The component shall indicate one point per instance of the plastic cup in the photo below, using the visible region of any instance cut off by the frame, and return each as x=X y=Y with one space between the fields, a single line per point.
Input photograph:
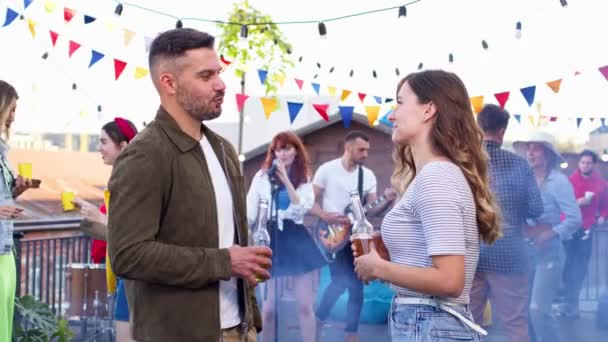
x=66 y=200
x=25 y=170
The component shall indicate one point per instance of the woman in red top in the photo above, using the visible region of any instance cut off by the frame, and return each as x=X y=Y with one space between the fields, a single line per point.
x=114 y=137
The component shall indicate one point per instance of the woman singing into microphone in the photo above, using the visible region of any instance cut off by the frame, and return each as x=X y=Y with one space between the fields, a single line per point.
x=284 y=181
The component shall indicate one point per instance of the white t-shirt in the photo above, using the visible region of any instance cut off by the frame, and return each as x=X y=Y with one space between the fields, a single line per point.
x=337 y=183
x=229 y=305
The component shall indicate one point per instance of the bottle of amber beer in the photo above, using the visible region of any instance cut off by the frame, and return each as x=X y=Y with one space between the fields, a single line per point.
x=260 y=235
x=362 y=230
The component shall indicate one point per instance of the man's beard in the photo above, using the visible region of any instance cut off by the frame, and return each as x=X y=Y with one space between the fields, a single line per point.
x=195 y=107
x=587 y=174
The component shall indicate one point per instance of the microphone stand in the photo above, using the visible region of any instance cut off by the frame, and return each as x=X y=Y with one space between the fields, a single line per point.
x=274 y=191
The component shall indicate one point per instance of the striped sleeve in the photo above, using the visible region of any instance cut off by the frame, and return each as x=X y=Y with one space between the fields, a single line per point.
x=437 y=202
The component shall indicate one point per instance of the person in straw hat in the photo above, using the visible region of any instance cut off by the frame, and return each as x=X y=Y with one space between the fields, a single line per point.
x=549 y=230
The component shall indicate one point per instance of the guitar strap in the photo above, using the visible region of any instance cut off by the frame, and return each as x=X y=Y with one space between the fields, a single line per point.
x=360 y=185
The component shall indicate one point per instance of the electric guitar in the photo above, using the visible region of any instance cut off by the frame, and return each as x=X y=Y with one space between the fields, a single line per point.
x=330 y=239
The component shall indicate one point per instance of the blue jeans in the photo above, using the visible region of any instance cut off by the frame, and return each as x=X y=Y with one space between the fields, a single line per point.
x=425 y=323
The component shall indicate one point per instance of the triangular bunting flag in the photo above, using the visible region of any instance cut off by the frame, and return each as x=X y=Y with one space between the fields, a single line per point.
x=240 y=101
x=477 y=103
x=345 y=94
x=502 y=98
x=299 y=83
x=603 y=121
x=294 y=109
x=224 y=60
x=49 y=6
x=31 y=25
x=387 y=100
x=322 y=110
x=54 y=36
x=281 y=79
x=119 y=67
x=528 y=93
x=68 y=14
x=346 y=112
x=331 y=90
x=140 y=73
x=73 y=47
x=591 y=119
x=362 y=97
x=578 y=122
x=554 y=85
x=11 y=15
x=531 y=118
x=27 y=3
x=385 y=119
x=553 y=119
x=372 y=114
x=95 y=57
x=604 y=71
x=262 y=74
x=148 y=41
x=316 y=87
x=378 y=99
x=517 y=117
x=269 y=104
x=128 y=36
x=88 y=19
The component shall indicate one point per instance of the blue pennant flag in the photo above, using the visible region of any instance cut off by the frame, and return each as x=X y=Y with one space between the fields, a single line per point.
x=263 y=74
x=603 y=120
x=387 y=100
x=517 y=117
x=294 y=110
x=316 y=87
x=95 y=57
x=346 y=112
x=385 y=119
x=11 y=15
x=378 y=99
x=88 y=19
x=528 y=94
x=27 y=3
x=578 y=122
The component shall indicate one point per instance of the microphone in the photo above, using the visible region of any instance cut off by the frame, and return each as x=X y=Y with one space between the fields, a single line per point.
x=272 y=171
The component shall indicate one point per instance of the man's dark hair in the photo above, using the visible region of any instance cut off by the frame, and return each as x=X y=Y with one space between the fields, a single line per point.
x=589 y=153
x=174 y=43
x=354 y=135
x=492 y=119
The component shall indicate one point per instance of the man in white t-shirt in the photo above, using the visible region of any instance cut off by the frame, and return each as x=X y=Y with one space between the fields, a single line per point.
x=332 y=184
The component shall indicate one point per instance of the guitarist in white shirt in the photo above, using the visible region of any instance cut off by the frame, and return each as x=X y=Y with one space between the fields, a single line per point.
x=332 y=183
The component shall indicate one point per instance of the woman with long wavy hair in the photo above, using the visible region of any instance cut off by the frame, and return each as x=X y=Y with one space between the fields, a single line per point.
x=285 y=181
x=433 y=232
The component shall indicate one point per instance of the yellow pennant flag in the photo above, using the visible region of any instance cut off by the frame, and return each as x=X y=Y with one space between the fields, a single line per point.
x=128 y=35
x=269 y=104
x=281 y=79
x=140 y=72
x=345 y=94
x=32 y=26
x=49 y=6
x=531 y=117
x=477 y=103
x=332 y=90
x=372 y=114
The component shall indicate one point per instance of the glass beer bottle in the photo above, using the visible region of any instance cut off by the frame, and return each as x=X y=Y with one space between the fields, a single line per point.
x=260 y=235
x=362 y=229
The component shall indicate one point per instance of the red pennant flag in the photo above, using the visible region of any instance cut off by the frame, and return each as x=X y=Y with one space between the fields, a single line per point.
x=240 y=101
x=54 y=36
x=591 y=119
x=68 y=14
x=502 y=98
x=553 y=118
x=554 y=85
x=73 y=47
x=119 y=67
x=322 y=110
x=362 y=96
x=300 y=83
x=604 y=71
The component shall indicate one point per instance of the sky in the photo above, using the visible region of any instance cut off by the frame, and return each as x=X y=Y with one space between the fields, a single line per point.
x=556 y=42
